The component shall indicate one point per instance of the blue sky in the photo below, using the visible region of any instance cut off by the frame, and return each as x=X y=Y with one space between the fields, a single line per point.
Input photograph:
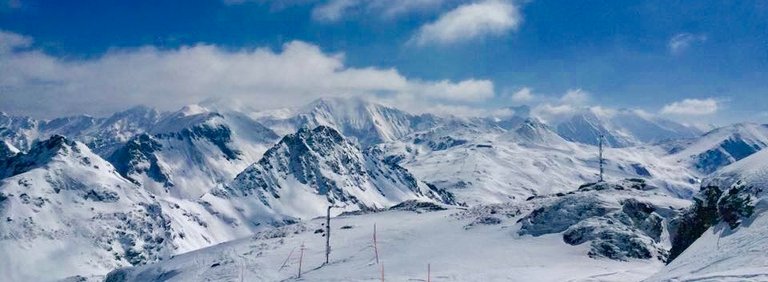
x=688 y=60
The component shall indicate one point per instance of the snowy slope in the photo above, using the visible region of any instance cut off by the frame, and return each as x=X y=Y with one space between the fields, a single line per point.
x=365 y=122
x=533 y=131
x=314 y=168
x=65 y=210
x=18 y=131
x=483 y=243
x=197 y=177
x=7 y=150
x=493 y=165
x=734 y=246
x=191 y=151
x=454 y=254
x=721 y=147
x=71 y=213
x=586 y=128
x=622 y=128
x=102 y=135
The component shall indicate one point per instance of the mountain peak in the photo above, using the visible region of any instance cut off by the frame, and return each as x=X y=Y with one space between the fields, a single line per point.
x=352 y=100
x=723 y=146
x=319 y=167
x=41 y=153
x=363 y=121
x=322 y=130
x=187 y=117
x=138 y=111
x=535 y=131
x=621 y=128
x=193 y=109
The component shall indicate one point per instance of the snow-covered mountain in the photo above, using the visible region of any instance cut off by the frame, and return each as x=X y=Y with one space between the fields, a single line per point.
x=365 y=122
x=721 y=147
x=61 y=197
x=488 y=164
x=533 y=131
x=19 y=132
x=191 y=151
x=722 y=237
x=602 y=232
x=102 y=135
x=313 y=168
x=622 y=128
x=65 y=211
x=197 y=177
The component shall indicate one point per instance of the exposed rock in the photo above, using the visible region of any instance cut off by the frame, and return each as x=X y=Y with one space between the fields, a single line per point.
x=417 y=206
x=610 y=216
x=711 y=206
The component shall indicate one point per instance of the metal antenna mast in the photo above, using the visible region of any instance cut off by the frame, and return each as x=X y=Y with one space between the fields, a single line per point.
x=600 y=146
x=328 y=235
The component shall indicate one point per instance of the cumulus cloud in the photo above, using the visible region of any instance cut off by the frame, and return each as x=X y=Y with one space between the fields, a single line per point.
x=692 y=107
x=575 y=97
x=523 y=95
x=35 y=83
x=457 y=110
x=602 y=111
x=682 y=41
x=10 y=41
x=465 y=91
x=335 y=10
x=553 y=113
x=469 y=22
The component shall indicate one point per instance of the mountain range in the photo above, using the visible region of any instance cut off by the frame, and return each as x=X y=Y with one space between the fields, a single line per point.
x=143 y=186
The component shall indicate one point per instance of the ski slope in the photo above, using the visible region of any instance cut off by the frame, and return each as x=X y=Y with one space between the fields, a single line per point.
x=406 y=241
x=723 y=253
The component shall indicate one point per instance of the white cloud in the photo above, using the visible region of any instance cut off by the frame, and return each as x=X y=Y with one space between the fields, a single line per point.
x=603 y=111
x=446 y=109
x=335 y=10
x=523 y=95
x=35 y=83
x=465 y=91
x=682 y=41
x=471 y=21
x=692 y=107
x=643 y=113
x=10 y=41
x=553 y=113
x=575 y=97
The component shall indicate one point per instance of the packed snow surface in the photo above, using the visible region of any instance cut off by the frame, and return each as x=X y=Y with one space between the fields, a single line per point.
x=407 y=243
x=724 y=253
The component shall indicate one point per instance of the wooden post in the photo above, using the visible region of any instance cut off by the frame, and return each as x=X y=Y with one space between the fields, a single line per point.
x=328 y=235
x=375 y=247
x=301 y=257
x=382 y=272
x=429 y=273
